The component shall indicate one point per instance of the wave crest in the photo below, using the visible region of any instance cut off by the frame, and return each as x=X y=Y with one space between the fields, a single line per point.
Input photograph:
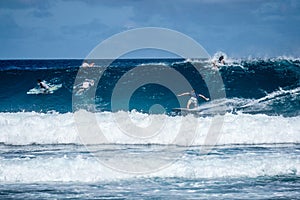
x=38 y=128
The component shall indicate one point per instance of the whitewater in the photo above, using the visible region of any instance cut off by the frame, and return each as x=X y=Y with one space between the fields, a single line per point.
x=41 y=128
x=244 y=145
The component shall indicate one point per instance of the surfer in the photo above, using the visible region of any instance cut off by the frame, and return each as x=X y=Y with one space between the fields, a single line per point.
x=84 y=86
x=43 y=85
x=221 y=61
x=86 y=64
x=193 y=98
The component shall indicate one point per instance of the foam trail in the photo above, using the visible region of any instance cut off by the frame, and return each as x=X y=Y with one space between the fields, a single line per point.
x=273 y=95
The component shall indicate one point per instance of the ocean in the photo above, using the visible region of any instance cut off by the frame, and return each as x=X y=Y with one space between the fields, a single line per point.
x=120 y=137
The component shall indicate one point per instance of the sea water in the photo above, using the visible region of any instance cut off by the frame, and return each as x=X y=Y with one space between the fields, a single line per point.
x=148 y=151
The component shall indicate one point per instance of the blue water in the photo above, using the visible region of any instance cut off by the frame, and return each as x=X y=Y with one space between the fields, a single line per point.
x=255 y=156
x=243 y=80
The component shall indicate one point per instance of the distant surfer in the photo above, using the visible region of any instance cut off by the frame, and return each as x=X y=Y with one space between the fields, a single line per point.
x=221 y=61
x=44 y=88
x=193 y=98
x=43 y=85
x=86 y=64
x=85 y=86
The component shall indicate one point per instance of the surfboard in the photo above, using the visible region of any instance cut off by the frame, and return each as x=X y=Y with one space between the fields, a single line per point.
x=186 y=109
x=51 y=90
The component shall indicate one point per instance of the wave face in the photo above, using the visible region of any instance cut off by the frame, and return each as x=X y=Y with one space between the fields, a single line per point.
x=253 y=86
x=244 y=145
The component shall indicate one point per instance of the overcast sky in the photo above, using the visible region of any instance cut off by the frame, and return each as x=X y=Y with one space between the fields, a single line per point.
x=72 y=28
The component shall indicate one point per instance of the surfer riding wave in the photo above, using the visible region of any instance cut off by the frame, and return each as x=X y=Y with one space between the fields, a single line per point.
x=193 y=98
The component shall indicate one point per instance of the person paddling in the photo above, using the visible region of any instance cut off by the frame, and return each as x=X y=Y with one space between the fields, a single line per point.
x=43 y=85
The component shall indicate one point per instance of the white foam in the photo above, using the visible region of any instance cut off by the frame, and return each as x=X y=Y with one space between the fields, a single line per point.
x=55 y=169
x=31 y=127
x=259 y=129
x=154 y=64
x=137 y=128
x=234 y=166
x=88 y=169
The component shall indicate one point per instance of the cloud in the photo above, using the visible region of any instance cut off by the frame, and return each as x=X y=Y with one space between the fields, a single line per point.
x=41 y=14
x=217 y=24
x=33 y=8
x=277 y=10
x=84 y=30
x=11 y=30
x=26 y=4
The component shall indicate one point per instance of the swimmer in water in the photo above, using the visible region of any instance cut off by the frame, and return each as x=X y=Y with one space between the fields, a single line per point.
x=85 y=86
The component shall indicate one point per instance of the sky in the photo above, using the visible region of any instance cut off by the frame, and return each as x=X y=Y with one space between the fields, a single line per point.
x=72 y=28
